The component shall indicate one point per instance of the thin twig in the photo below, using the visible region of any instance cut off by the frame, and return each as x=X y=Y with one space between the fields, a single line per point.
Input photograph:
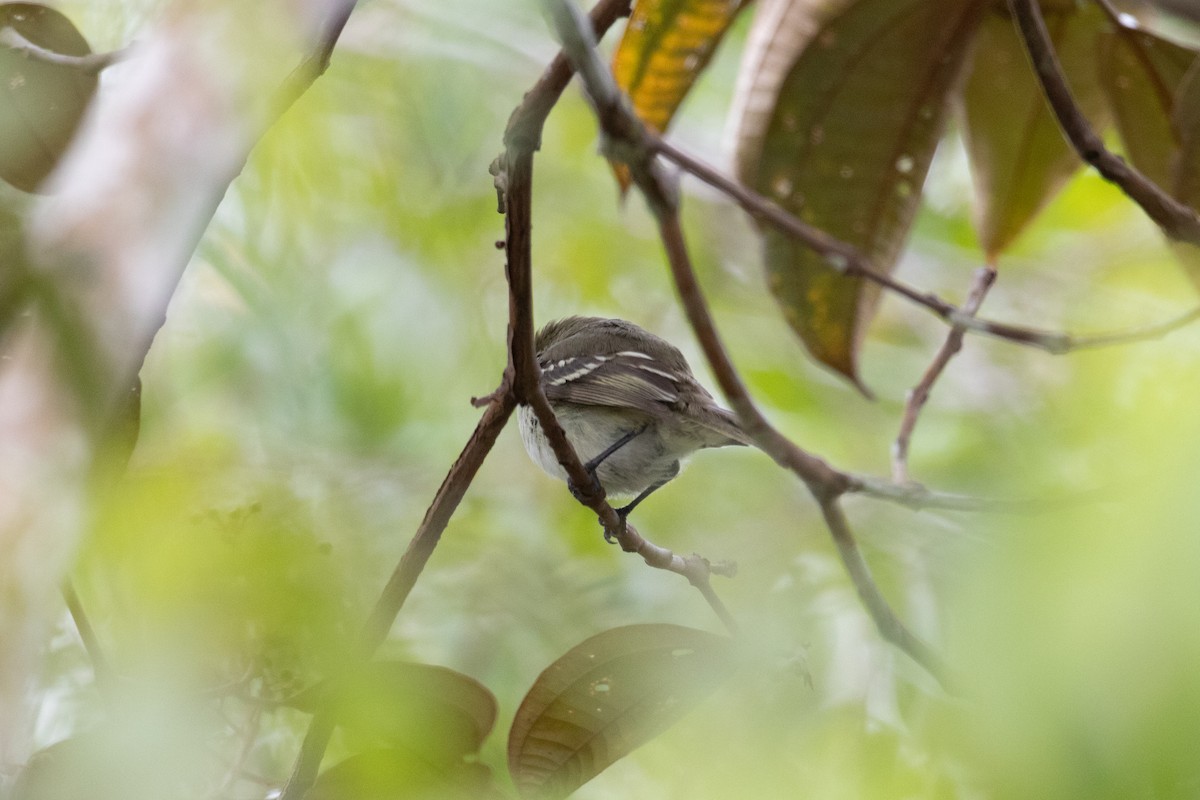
x=101 y=667
x=889 y=625
x=91 y=64
x=1177 y=220
x=846 y=259
x=919 y=394
x=404 y=577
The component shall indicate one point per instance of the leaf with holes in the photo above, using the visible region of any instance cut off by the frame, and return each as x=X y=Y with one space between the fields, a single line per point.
x=436 y=712
x=41 y=104
x=1018 y=155
x=608 y=696
x=665 y=47
x=840 y=105
x=1140 y=75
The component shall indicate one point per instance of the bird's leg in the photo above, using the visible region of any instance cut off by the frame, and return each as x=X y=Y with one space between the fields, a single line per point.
x=594 y=463
x=623 y=511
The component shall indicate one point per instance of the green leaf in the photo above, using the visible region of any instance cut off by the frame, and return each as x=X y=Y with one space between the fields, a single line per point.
x=397 y=774
x=41 y=104
x=606 y=697
x=436 y=712
x=1019 y=157
x=841 y=107
x=1140 y=75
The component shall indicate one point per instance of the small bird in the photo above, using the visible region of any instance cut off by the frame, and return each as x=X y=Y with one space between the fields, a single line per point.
x=628 y=402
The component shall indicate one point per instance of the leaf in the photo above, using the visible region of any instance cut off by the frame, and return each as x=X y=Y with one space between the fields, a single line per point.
x=41 y=104
x=1140 y=75
x=1175 y=20
x=606 y=697
x=436 y=712
x=840 y=107
x=107 y=764
x=1018 y=155
x=396 y=774
x=665 y=46
x=1185 y=182
x=1185 y=179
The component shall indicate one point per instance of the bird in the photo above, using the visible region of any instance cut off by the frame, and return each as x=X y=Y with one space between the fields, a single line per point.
x=629 y=405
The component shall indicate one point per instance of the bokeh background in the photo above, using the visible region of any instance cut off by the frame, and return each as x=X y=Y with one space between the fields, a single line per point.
x=311 y=387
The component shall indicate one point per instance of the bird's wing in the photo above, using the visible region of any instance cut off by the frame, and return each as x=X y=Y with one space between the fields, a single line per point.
x=623 y=379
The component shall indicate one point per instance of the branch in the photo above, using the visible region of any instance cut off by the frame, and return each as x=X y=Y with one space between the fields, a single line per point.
x=919 y=395
x=404 y=577
x=627 y=138
x=1177 y=220
x=91 y=64
x=889 y=625
x=513 y=172
x=134 y=194
x=846 y=259
x=101 y=668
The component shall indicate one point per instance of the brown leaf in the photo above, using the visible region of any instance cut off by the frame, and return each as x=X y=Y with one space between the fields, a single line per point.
x=1140 y=75
x=1019 y=157
x=664 y=48
x=41 y=104
x=608 y=696
x=841 y=105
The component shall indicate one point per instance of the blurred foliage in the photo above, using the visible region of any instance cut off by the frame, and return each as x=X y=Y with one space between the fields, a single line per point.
x=41 y=104
x=310 y=388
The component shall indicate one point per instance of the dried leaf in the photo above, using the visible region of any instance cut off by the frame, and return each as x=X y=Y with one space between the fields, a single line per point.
x=1019 y=157
x=840 y=108
x=41 y=104
x=664 y=48
x=1140 y=75
x=608 y=696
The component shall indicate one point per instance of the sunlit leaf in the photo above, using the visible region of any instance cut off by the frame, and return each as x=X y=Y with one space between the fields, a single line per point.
x=437 y=712
x=841 y=105
x=40 y=103
x=1140 y=75
x=608 y=696
x=1019 y=157
x=666 y=45
x=395 y=774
